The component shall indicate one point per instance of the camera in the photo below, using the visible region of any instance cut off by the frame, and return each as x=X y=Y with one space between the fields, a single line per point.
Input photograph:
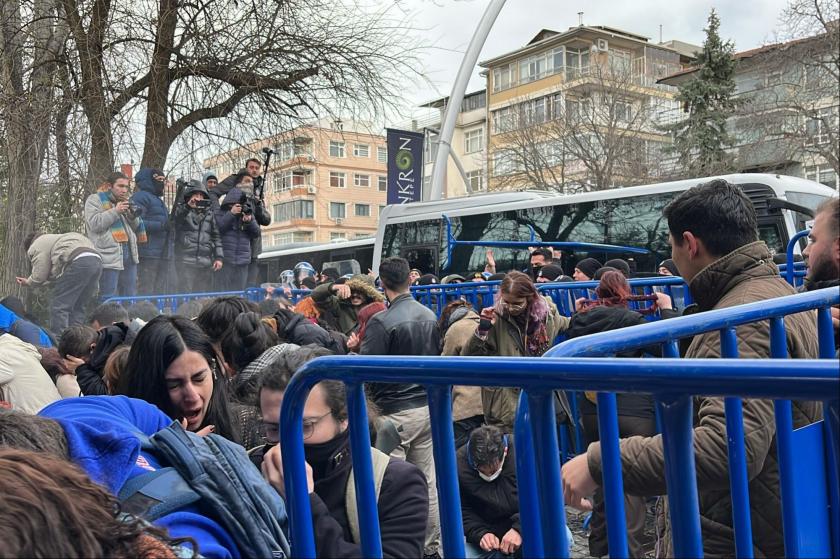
x=134 y=210
x=247 y=205
x=202 y=204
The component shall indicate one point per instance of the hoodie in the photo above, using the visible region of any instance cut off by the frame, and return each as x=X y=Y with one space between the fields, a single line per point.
x=153 y=211
x=236 y=234
x=197 y=240
x=101 y=437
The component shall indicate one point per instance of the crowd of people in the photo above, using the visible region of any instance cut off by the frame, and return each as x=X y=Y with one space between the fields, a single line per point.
x=96 y=423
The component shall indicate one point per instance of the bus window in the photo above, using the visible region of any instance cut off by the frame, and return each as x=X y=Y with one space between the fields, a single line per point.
x=344 y=267
x=770 y=233
x=423 y=258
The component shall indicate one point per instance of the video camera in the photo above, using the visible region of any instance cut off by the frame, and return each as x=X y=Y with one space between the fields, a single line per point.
x=247 y=204
x=203 y=204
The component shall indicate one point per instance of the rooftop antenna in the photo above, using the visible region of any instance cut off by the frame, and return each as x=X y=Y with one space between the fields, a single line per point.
x=660 y=33
x=580 y=19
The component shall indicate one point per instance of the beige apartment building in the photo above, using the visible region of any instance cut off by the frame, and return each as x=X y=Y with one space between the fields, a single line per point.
x=567 y=101
x=326 y=183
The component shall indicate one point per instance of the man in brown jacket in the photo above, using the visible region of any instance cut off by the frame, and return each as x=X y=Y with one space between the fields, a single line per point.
x=714 y=241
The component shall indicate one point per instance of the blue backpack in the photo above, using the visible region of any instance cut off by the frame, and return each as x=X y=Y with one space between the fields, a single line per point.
x=217 y=476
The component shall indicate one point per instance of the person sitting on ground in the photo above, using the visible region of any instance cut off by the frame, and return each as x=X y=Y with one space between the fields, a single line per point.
x=218 y=315
x=90 y=372
x=16 y=321
x=668 y=268
x=23 y=381
x=107 y=314
x=190 y=309
x=80 y=517
x=635 y=411
x=294 y=328
x=457 y=325
x=620 y=265
x=522 y=323
x=340 y=303
x=173 y=366
x=585 y=269
x=56 y=367
x=114 y=367
x=365 y=314
x=77 y=342
x=144 y=310
x=403 y=494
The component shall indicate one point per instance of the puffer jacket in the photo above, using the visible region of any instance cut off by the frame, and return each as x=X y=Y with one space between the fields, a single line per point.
x=51 y=253
x=295 y=328
x=746 y=275
x=198 y=242
x=505 y=339
x=466 y=400
x=340 y=314
x=155 y=215
x=406 y=328
x=98 y=224
x=236 y=234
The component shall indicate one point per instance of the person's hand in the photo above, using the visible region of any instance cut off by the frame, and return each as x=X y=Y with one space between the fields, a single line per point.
x=22 y=281
x=510 y=542
x=489 y=542
x=353 y=341
x=201 y=432
x=247 y=218
x=217 y=265
x=663 y=301
x=71 y=362
x=342 y=290
x=488 y=313
x=236 y=209
x=579 y=303
x=122 y=207
x=577 y=483
x=192 y=202
x=488 y=255
x=272 y=470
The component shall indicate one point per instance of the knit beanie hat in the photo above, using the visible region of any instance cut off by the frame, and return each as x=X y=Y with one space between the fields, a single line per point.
x=550 y=272
x=588 y=266
x=620 y=265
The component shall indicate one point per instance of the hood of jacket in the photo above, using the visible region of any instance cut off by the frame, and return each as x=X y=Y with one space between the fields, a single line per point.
x=369 y=291
x=233 y=196
x=145 y=181
x=194 y=186
x=206 y=176
x=748 y=262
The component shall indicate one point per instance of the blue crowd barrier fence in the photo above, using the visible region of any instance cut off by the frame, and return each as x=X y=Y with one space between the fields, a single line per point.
x=794 y=272
x=540 y=491
x=805 y=533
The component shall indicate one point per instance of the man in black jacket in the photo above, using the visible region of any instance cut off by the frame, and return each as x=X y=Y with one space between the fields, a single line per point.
x=198 y=244
x=406 y=328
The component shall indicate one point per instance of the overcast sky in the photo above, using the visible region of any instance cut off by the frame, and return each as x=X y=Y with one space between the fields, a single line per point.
x=448 y=25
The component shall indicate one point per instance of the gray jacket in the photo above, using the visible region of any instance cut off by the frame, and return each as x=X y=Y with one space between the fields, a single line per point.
x=98 y=224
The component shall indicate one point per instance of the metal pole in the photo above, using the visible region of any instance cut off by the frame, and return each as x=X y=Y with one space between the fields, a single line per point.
x=457 y=96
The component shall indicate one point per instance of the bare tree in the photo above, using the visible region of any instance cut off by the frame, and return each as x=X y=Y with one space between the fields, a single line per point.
x=597 y=135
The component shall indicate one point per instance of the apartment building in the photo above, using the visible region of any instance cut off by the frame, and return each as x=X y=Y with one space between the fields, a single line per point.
x=580 y=109
x=787 y=121
x=327 y=182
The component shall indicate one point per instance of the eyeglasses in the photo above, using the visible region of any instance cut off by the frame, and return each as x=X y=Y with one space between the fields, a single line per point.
x=517 y=306
x=271 y=431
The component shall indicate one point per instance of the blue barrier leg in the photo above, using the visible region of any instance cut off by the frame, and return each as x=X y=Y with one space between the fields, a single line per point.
x=363 y=471
x=680 y=475
x=831 y=413
x=612 y=481
x=446 y=470
x=544 y=430
x=825 y=333
x=526 y=477
x=738 y=482
x=578 y=432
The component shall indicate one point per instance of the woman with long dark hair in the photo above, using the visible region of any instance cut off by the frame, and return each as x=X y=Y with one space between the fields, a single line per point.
x=172 y=365
x=610 y=311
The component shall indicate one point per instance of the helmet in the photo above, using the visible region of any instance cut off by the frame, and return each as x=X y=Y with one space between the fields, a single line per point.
x=287 y=276
x=303 y=270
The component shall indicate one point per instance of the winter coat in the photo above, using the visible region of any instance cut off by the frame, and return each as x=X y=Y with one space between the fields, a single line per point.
x=505 y=339
x=488 y=506
x=746 y=275
x=23 y=381
x=197 y=239
x=263 y=218
x=236 y=234
x=297 y=329
x=340 y=314
x=22 y=329
x=466 y=400
x=50 y=254
x=98 y=223
x=155 y=215
x=406 y=328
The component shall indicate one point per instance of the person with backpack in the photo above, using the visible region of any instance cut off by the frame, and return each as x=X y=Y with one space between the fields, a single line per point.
x=203 y=488
x=402 y=493
x=172 y=365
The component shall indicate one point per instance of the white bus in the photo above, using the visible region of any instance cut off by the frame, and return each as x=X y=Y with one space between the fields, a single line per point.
x=629 y=217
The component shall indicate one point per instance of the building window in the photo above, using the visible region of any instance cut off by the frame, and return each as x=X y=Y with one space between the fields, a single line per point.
x=474 y=140
x=338 y=180
x=337 y=149
x=476 y=180
x=620 y=62
x=279 y=239
x=474 y=102
x=503 y=78
x=504 y=162
x=361 y=150
x=286 y=180
x=338 y=236
x=382 y=183
x=362 y=235
x=576 y=109
x=623 y=111
x=382 y=154
x=362 y=210
x=296 y=209
x=338 y=210
x=577 y=63
x=361 y=180
x=817 y=129
x=823 y=174
x=503 y=120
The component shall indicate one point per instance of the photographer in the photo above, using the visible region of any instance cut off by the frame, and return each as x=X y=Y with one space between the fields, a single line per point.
x=237 y=226
x=148 y=198
x=198 y=245
x=115 y=230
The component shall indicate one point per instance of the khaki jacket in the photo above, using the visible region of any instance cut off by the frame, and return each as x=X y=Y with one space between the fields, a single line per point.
x=50 y=254
x=466 y=400
x=744 y=276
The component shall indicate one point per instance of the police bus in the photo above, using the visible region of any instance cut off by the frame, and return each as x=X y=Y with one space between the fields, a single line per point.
x=423 y=232
x=349 y=257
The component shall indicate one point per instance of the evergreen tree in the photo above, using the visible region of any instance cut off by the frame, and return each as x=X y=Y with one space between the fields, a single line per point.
x=701 y=140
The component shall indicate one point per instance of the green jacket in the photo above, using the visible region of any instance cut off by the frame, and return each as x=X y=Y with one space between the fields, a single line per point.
x=505 y=339
x=337 y=313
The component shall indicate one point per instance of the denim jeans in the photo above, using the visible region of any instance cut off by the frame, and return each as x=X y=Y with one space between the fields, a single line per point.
x=72 y=291
x=121 y=283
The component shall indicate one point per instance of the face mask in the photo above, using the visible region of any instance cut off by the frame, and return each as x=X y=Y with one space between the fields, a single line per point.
x=495 y=474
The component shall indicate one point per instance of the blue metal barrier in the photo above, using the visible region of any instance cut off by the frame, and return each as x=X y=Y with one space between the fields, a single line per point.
x=725 y=320
x=790 y=268
x=543 y=521
x=169 y=303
